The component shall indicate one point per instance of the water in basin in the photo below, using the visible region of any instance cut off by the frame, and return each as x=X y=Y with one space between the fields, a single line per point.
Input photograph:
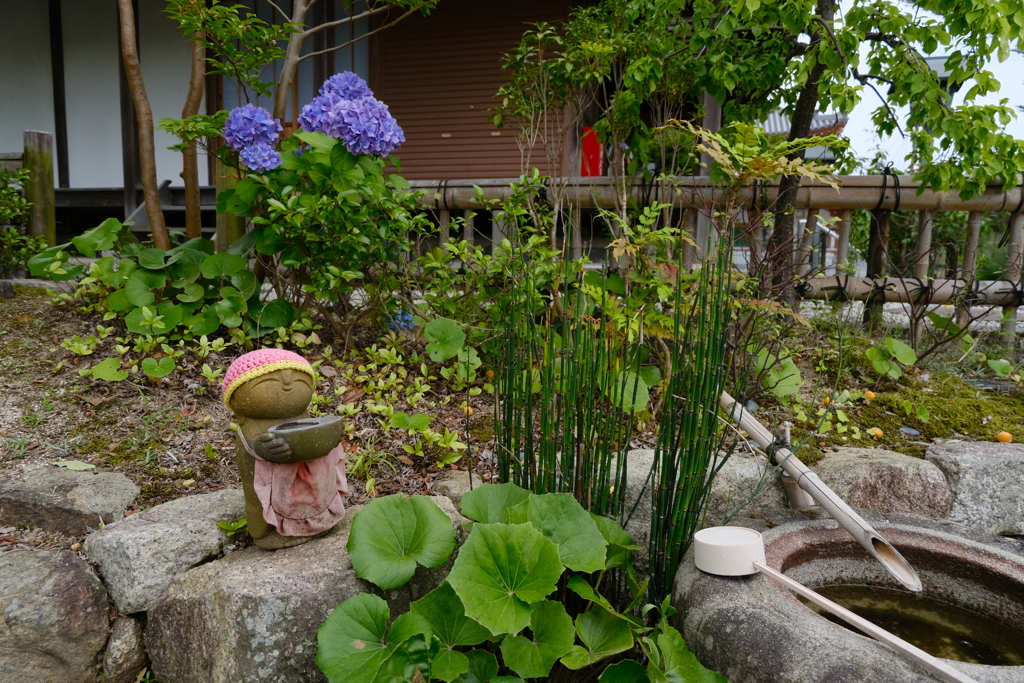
x=937 y=627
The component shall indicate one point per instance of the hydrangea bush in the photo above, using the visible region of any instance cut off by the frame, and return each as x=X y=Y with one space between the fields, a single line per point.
x=323 y=211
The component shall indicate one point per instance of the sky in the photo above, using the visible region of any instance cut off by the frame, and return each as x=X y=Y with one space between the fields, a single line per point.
x=863 y=139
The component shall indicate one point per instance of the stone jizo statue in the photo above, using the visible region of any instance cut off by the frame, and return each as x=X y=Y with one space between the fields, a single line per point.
x=292 y=466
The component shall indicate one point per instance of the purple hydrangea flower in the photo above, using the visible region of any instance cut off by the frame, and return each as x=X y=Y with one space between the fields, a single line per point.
x=320 y=114
x=347 y=86
x=260 y=157
x=250 y=125
x=367 y=127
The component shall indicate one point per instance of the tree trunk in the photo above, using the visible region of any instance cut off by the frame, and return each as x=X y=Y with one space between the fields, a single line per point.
x=780 y=246
x=878 y=255
x=147 y=153
x=190 y=161
x=291 y=61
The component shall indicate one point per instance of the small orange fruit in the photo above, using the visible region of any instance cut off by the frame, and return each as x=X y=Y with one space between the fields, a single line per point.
x=876 y=432
x=1004 y=437
x=467 y=410
x=489 y=374
x=869 y=395
x=827 y=400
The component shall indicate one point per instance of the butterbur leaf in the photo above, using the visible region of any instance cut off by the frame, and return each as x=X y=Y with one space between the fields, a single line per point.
x=579 y=586
x=452 y=628
x=900 y=351
x=490 y=503
x=222 y=265
x=483 y=667
x=97 y=239
x=629 y=392
x=109 y=370
x=626 y=671
x=564 y=522
x=619 y=542
x=507 y=679
x=191 y=292
x=277 y=313
x=552 y=637
x=603 y=633
x=446 y=339
x=501 y=570
x=351 y=642
x=676 y=663
x=394 y=533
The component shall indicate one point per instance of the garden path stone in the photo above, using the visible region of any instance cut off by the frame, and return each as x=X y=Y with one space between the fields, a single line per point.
x=987 y=480
x=886 y=481
x=253 y=616
x=454 y=484
x=141 y=554
x=125 y=656
x=63 y=501
x=54 y=617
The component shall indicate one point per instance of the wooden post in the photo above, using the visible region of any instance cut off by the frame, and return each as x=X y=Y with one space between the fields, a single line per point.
x=878 y=254
x=230 y=228
x=1014 y=271
x=469 y=227
x=843 y=241
x=924 y=244
x=803 y=263
x=970 y=260
x=38 y=159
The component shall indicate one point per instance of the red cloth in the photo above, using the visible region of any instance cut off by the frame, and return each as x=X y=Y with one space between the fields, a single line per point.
x=303 y=498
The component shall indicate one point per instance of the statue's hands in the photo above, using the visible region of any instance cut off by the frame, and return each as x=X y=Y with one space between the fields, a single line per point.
x=272 y=448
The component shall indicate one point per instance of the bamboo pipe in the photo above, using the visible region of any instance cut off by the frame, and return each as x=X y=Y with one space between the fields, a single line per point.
x=911 y=290
x=924 y=244
x=855 y=192
x=861 y=531
x=1014 y=268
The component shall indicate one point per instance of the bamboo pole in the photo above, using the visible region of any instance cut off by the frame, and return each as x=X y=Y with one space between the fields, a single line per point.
x=970 y=260
x=843 y=241
x=576 y=234
x=923 y=248
x=444 y=221
x=469 y=227
x=803 y=262
x=908 y=291
x=878 y=255
x=1014 y=269
x=38 y=159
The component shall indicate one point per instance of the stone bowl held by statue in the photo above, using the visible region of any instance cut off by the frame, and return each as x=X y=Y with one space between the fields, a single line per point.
x=312 y=437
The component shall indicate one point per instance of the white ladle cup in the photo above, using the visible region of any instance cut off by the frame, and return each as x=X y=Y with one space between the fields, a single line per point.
x=738 y=551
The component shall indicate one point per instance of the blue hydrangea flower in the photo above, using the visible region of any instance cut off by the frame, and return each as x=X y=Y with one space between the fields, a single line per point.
x=260 y=157
x=401 y=321
x=347 y=86
x=367 y=127
x=250 y=125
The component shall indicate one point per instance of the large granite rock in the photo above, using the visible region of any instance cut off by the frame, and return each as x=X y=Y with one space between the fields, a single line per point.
x=54 y=618
x=63 y=501
x=125 y=656
x=140 y=555
x=886 y=481
x=735 y=484
x=253 y=616
x=987 y=480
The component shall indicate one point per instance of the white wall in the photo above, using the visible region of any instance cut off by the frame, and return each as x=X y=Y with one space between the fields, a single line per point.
x=26 y=91
x=92 y=92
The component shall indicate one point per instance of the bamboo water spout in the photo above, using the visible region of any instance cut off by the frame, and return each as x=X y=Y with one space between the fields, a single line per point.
x=807 y=480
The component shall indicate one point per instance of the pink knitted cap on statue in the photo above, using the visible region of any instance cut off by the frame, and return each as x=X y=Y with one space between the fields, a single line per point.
x=261 y=362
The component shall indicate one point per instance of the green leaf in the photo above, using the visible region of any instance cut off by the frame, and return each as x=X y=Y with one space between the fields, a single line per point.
x=77 y=465
x=191 y=292
x=109 y=370
x=603 y=633
x=159 y=369
x=628 y=392
x=153 y=258
x=351 y=642
x=677 y=664
x=222 y=265
x=900 y=351
x=626 y=671
x=446 y=339
x=395 y=532
x=100 y=238
x=277 y=313
x=483 y=667
x=552 y=637
x=245 y=282
x=650 y=374
x=500 y=571
x=579 y=586
x=1001 y=367
x=564 y=522
x=139 y=286
x=447 y=616
x=490 y=503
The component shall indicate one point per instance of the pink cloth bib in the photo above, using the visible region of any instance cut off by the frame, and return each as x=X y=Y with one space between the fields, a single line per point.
x=302 y=498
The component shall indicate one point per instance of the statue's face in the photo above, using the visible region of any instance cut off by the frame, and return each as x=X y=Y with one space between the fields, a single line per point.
x=279 y=394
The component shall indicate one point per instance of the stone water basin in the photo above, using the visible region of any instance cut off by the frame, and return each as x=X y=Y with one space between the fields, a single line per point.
x=751 y=630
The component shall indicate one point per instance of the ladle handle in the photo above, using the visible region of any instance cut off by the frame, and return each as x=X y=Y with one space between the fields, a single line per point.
x=933 y=664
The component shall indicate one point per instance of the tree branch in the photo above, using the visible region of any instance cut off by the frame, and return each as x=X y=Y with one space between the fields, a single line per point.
x=835 y=41
x=863 y=78
x=347 y=20
x=275 y=6
x=365 y=35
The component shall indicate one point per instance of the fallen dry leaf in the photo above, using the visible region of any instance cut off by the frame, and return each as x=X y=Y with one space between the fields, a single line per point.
x=406 y=460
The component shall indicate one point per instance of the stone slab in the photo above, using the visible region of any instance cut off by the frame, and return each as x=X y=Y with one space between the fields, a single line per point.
x=140 y=555
x=987 y=480
x=64 y=501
